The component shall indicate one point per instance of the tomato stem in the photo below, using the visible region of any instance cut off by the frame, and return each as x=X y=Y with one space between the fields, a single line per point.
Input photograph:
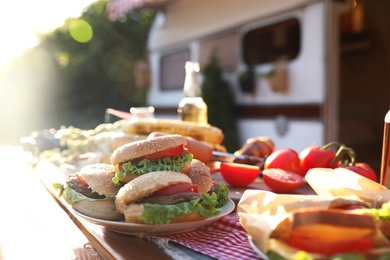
x=336 y=144
x=345 y=156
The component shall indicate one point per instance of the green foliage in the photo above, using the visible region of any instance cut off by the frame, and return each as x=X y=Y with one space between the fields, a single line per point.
x=100 y=73
x=219 y=98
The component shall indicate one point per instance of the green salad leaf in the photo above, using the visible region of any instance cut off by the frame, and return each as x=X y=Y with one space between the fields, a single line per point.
x=145 y=166
x=72 y=196
x=383 y=213
x=157 y=214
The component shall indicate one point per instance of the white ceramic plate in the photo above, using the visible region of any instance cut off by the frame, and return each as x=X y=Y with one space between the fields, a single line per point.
x=256 y=249
x=151 y=230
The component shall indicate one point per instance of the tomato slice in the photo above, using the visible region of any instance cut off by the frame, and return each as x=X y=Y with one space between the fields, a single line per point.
x=81 y=180
x=280 y=180
x=329 y=248
x=166 y=153
x=239 y=175
x=175 y=189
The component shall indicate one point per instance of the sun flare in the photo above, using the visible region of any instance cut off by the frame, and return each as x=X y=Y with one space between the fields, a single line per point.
x=20 y=21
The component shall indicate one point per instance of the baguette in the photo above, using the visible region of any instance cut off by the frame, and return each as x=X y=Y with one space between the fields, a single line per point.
x=145 y=126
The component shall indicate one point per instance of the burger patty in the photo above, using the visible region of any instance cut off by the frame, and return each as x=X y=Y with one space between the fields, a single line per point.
x=73 y=182
x=172 y=199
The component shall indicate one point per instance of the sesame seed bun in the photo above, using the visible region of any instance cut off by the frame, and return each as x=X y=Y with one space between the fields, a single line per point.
x=99 y=178
x=200 y=176
x=142 y=148
x=101 y=209
x=145 y=185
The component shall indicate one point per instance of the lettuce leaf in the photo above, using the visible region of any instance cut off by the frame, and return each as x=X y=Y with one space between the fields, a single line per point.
x=157 y=214
x=145 y=166
x=71 y=196
x=382 y=213
x=223 y=195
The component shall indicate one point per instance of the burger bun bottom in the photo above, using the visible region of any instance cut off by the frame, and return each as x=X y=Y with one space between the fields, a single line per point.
x=102 y=209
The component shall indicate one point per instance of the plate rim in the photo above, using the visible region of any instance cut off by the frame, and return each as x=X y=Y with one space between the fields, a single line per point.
x=124 y=227
x=256 y=249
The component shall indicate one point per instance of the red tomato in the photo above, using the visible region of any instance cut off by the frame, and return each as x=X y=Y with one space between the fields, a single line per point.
x=170 y=152
x=286 y=159
x=314 y=157
x=280 y=180
x=329 y=248
x=363 y=169
x=239 y=175
x=81 y=180
x=175 y=189
x=198 y=149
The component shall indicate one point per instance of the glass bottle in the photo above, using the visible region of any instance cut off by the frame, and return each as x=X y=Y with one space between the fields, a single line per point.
x=385 y=163
x=192 y=107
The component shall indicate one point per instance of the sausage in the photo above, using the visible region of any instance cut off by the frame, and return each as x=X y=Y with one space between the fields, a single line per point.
x=199 y=150
x=261 y=146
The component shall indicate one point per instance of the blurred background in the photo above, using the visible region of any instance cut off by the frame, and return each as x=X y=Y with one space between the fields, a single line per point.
x=302 y=72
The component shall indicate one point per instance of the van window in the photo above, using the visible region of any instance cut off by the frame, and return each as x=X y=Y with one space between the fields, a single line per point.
x=172 y=70
x=226 y=48
x=269 y=43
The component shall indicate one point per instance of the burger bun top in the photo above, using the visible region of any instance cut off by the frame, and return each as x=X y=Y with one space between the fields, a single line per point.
x=200 y=176
x=142 y=148
x=145 y=185
x=99 y=178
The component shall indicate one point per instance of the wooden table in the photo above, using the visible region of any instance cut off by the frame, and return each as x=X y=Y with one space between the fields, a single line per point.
x=34 y=224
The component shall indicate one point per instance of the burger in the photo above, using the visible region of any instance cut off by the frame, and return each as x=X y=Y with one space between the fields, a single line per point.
x=92 y=193
x=163 y=153
x=164 y=197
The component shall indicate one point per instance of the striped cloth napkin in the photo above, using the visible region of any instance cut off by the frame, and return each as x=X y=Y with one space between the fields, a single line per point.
x=223 y=239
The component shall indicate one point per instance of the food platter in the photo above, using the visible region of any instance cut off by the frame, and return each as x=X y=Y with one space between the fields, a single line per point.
x=153 y=230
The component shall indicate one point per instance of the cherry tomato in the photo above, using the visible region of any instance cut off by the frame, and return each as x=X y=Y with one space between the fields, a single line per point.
x=175 y=189
x=170 y=152
x=316 y=157
x=280 y=180
x=239 y=175
x=363 y=169
x=286 y=159
x=329 y=248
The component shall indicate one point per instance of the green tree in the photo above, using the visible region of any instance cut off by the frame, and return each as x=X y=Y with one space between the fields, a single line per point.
x=99 y=73
x=219 y=98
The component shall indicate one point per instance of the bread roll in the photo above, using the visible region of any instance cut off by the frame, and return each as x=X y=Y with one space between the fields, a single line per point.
x=142 y=148
x=200 y=176
x=145 y=185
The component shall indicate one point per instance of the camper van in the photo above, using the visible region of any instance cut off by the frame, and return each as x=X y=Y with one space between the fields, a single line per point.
x=318 y=70
x=287 y=39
